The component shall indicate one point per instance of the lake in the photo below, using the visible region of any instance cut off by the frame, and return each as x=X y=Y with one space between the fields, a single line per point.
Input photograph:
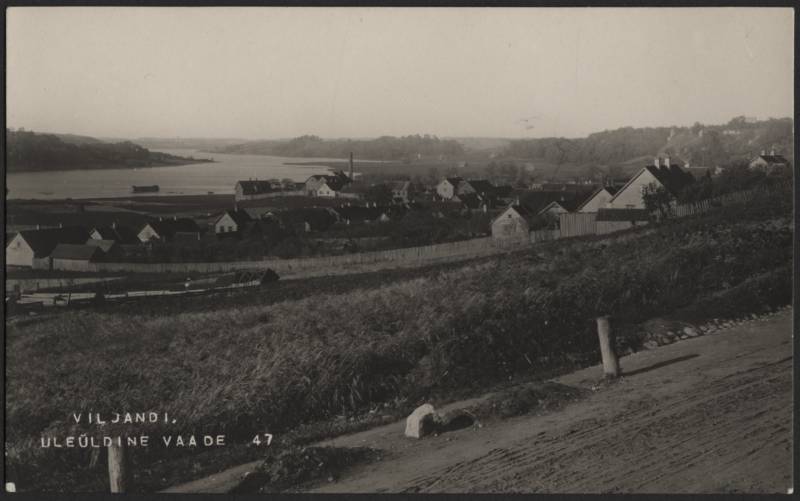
x=192 y=179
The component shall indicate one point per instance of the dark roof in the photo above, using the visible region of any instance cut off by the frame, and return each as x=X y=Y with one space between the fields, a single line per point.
x=318 y=218
x=674 y=178
x=76 y=252
x=454 y=180
x=569 y=204
x=774 y=159
x=571 y=187
x=503 y=191
x=356 y=213
x=535 y=201
x=44 y=241
x=255 y=187
x=168 y=227
x=239 y=216
x=401 y=185
x=103 y=245
x=120 y=234
x=623 y=215
x=526 y=213
x=482 y=186
x=335 y=182
x=185 y=236
x=470 y=200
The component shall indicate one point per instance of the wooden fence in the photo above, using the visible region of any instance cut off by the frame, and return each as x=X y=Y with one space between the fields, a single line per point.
x=475 y=247
x=571 y=225
x=576 y=224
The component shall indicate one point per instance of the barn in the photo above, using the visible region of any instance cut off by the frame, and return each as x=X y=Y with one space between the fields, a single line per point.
x=32 y=248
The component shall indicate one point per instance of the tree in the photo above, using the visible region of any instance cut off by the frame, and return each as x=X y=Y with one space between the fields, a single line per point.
x=657 y=199
x=379 y=193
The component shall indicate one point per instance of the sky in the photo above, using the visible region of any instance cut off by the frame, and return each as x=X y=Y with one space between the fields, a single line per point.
x=278 y=72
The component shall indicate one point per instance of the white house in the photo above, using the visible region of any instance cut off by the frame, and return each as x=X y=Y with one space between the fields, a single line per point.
x=322 y=185
x=324 y=190
x=32 y=248
x=598 y=199
x=448 y=187
x=512 y=224
x=401 y=191
x=670 y=177
x=231 y=221
x=165 y=229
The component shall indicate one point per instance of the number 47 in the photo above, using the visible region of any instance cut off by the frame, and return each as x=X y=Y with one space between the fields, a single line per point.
x=257 y=439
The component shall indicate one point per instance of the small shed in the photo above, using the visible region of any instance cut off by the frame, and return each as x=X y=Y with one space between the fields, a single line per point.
x=75 y=257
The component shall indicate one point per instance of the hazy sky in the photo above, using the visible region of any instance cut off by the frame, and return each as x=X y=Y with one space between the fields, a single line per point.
x=362 y=72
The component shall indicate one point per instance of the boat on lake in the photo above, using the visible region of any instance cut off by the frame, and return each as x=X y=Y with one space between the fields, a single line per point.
x=145 y=189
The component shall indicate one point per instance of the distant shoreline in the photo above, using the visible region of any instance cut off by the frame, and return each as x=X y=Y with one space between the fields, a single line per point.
x=152 y=165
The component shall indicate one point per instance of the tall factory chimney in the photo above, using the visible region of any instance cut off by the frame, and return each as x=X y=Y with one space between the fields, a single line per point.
x=351 y=166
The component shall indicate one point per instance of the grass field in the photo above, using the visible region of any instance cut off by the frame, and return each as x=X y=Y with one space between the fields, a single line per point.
x=313 y=355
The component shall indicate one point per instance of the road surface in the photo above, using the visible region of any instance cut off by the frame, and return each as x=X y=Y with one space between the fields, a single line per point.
x=706 y=414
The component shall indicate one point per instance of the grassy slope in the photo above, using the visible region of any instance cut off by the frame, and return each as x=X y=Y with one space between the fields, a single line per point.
x=259 y=367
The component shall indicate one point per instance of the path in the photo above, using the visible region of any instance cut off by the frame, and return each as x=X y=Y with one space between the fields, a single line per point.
x=707 y=414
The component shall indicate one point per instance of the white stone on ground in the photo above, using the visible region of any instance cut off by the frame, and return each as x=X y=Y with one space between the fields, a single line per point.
x=420 y=422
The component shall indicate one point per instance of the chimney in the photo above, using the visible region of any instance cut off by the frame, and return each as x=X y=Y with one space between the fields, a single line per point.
x=666 y=161
x=351 y=166
x=763 y=152
x=657 y=162
x=114 y=225
x=60 y=225
x=772 y=152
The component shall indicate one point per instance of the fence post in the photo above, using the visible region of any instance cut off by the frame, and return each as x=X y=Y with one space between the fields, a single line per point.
x=607 y=351
x=118 y=474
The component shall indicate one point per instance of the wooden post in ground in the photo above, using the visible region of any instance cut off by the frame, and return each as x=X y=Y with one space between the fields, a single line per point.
x=118 y=473
x=609 y=354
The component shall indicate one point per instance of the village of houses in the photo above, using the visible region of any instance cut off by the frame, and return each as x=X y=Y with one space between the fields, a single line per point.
x=329 y=204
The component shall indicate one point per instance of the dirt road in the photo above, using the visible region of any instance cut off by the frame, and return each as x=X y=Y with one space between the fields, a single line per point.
x=707 y=414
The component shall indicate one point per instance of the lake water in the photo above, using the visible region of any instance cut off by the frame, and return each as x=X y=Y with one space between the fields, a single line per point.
x=193 y=179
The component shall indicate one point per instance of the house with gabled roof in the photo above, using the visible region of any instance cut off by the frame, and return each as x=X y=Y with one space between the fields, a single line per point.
x=124 y=235
x=325 y=185
x=254 y=189
x=32 y=248
x=598 y=199
x=232 y=221
x=670 y=177
x=514 y=223
x=448 y=187
x=164 y=230
x=770 y=162
x=75 y=257
x=479 y=186
x=402 y=191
